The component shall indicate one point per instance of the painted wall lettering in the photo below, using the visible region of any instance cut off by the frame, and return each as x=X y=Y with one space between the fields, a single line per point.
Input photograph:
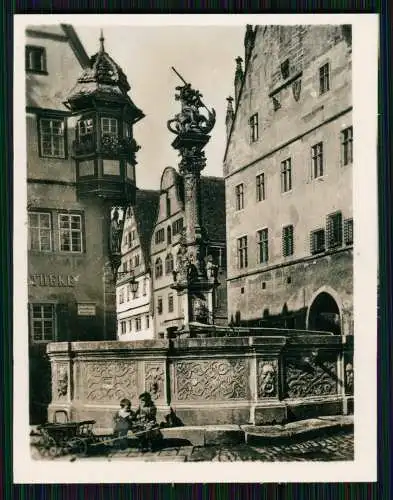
x=53 y=280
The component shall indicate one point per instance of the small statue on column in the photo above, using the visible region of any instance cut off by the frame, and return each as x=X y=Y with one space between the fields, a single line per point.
x=116 y=232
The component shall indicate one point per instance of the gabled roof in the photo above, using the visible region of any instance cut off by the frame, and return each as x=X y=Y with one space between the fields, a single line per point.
x=145 y=213
x=238 y=101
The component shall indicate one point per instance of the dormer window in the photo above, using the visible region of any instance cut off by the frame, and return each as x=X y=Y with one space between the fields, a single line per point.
x=109 y=126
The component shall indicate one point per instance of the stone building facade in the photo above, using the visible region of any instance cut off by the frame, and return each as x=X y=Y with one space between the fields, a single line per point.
x=69 y=196
x=288 y=180
x=165 y=248
x=134 y=319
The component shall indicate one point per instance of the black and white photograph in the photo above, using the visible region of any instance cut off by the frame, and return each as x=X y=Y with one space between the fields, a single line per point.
x=196 y=247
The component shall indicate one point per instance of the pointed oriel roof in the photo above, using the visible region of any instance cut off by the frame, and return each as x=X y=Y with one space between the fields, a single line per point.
x=102 y=79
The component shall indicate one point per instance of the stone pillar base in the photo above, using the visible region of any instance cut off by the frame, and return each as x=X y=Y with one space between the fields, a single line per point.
x=270 y=414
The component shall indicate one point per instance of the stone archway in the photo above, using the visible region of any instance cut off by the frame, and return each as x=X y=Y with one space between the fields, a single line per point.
x=324 y=314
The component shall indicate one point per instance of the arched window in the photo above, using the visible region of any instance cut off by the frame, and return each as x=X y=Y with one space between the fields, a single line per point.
x=169 y=235
x=158 y=268
x=169 y=263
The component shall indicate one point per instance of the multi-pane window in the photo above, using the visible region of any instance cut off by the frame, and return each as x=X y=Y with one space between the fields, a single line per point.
x=324 y=78
x=70 y=232
x=242 y=257
x=348 y=231
x=263 y=245
x=35 y=59
x=347 y=146
x=123 y=327
x=52 y=137
x=160 y=236
x=159 y=305
x=85 y=128
x=138 y=323
x=40 y=231
x=170 y=303
x=287 y=241
x=317 y=160
x=239 y=192
x=260 y=187
x=158 y=268
x=317 y=241
x=334 y=230
x=43 y=322
x=169 y=264
x=177 y=226
x=254 y=127
x=109 y=126
x=137 y=260
x=286 y=175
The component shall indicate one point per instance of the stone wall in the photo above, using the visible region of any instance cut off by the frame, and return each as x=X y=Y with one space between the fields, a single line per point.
x=206 y=380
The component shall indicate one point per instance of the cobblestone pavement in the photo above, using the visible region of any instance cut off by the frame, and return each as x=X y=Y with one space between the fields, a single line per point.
x=338 y=447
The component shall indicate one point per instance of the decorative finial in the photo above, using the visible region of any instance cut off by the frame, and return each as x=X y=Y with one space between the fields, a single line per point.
x=102 y=39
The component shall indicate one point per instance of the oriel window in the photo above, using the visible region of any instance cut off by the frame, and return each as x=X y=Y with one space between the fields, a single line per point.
x=260 y=187
x=109 y=126
x=239 y=191
x=40 y=232
x=242 y=257
x=286 y=175
x=52 y=143
x=70 y=233
x=254 y=132
x=324 y=78
x=43 y=321
x=263 y=245
x=85 y=129
x=347 y=146
x=317 y=160
x=287 y=241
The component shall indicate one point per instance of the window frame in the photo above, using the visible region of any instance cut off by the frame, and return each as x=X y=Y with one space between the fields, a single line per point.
x=109 y=132
x=260 y=186
x=171 y=303
x=346 y=142
x=44 y=68
x=158 y=233
x=158 y=266
x=40 y=212
x=316 y=248
x=263 y=245
x=329 y=242
x=52 y=118
x=242 y=252
x=239 y=196
x=348 y=231
x=169 y=259
x=61 y=213
x=324 y=78
x=254 y=127
x=54 y=320
x=288 y=241
x=317 y=160
x=286 y=175
x=138 y=323
x=159 y=306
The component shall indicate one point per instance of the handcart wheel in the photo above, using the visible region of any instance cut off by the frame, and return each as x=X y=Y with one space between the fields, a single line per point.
x=54 y=451
x=78 y=446
x=46 y=446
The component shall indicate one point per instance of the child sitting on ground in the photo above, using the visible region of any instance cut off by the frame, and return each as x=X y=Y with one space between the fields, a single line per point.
x=146 y=428
x=122 y=422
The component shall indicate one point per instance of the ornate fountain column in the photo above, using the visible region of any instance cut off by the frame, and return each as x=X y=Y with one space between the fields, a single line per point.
x=194 y=277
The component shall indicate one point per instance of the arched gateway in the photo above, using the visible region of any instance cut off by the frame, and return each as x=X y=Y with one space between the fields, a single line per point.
x=324 y=314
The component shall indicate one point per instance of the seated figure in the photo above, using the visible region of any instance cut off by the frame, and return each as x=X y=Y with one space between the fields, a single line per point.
x=145 y=425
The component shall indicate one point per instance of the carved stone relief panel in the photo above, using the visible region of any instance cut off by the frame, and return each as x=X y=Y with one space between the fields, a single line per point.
x=267 y=378
x=349 y=377
x=303 y=378
x=154 y=380
x=108 y=381
x=216 y=379
x=59 y=381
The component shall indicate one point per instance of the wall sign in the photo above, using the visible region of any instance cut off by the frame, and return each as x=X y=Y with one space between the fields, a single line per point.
x=86 y=309
x=53 y=280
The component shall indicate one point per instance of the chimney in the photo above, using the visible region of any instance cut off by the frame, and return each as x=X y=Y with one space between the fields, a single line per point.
x=238 y=78
x=249 y=38
x=230 y=115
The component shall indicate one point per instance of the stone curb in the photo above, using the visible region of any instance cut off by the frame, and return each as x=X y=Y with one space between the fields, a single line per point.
x=210 y=435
